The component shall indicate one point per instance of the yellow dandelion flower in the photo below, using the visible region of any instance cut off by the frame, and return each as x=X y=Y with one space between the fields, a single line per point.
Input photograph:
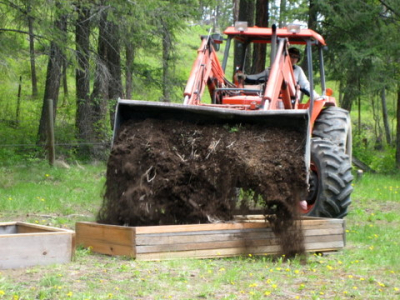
x=371 y=248
x=267 y=293
x=362 y=279
x=251 y=293
x=274 y=286
x=381 y=284
x=69 y=294
x=110 y=296
x=296 y=271
x=350 y=276
x=321 y=293
x=345 y=292
x=268 y=281
x=253 y=285
x=396 y=289
x=355 y=288
x=329 y=267
x=222 y=269
x=297 y=297
x=2 y=293
x=250 y=255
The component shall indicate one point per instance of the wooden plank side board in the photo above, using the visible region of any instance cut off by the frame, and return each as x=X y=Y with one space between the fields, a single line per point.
x=221 y=235
x=204 y=240
x=106 y=239
x=198 y=227
x=23 y=227
x=20 y=251
x=209 y=253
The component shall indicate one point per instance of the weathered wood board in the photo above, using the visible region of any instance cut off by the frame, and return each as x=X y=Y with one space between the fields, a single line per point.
x=24 y=245
x=247 y=236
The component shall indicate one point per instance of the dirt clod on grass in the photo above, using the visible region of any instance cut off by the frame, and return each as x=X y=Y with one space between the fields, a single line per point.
x=176 y=172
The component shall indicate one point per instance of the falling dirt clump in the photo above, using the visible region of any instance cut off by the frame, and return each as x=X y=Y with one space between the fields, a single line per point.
x=176 y=172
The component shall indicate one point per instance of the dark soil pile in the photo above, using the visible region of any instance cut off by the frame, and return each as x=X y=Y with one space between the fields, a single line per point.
x=175 y=172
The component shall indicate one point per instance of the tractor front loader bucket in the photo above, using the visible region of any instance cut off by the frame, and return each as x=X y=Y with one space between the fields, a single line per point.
x=136 y=110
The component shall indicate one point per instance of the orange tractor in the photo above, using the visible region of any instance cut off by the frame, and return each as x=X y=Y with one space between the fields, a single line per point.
x=276 y=100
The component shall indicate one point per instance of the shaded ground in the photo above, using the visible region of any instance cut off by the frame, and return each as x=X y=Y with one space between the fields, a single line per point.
x=162 y=173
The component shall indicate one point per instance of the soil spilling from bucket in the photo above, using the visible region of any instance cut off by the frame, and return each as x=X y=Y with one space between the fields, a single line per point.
x=176 y=172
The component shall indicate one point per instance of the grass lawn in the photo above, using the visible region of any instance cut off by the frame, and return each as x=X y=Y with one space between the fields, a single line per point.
x=367 y=268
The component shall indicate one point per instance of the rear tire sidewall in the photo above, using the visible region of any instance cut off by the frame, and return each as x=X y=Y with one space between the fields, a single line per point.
x=331 y=180
x=334 y=124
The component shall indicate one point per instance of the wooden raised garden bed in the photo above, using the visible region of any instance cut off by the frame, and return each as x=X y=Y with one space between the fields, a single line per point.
x=249 y=235
x=24 y=245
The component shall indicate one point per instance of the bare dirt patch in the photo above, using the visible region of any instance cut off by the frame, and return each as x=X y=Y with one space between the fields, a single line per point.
x=176 y=172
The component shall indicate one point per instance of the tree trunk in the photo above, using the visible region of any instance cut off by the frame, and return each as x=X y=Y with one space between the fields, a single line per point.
x=130 y=57
x=100 y=93
x=83 y=113
x=351 y=91
x=398 y=130
x=312 y=24
x=385 y=117
x=65 y=77
x=53 y=79
x=260 y=50
x=115 y=89
x=246 y=13
x=166 y=48
x=32 y=56
x=282 y=14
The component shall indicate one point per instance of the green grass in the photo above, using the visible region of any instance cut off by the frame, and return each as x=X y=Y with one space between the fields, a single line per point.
x=367 y=268
x=51 y=195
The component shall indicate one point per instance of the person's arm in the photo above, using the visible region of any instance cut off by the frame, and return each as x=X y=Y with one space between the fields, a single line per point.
x=303 y=82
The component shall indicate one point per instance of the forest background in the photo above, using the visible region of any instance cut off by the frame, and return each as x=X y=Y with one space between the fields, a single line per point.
x=83 y=55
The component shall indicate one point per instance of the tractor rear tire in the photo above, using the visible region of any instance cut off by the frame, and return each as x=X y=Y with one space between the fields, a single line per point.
x=330 y=180
x=334 y=124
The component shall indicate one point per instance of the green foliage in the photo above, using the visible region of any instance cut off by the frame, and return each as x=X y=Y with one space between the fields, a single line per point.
x=360 y=36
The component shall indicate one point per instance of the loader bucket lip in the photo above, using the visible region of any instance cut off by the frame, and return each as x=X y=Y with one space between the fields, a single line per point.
x=141 y=110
